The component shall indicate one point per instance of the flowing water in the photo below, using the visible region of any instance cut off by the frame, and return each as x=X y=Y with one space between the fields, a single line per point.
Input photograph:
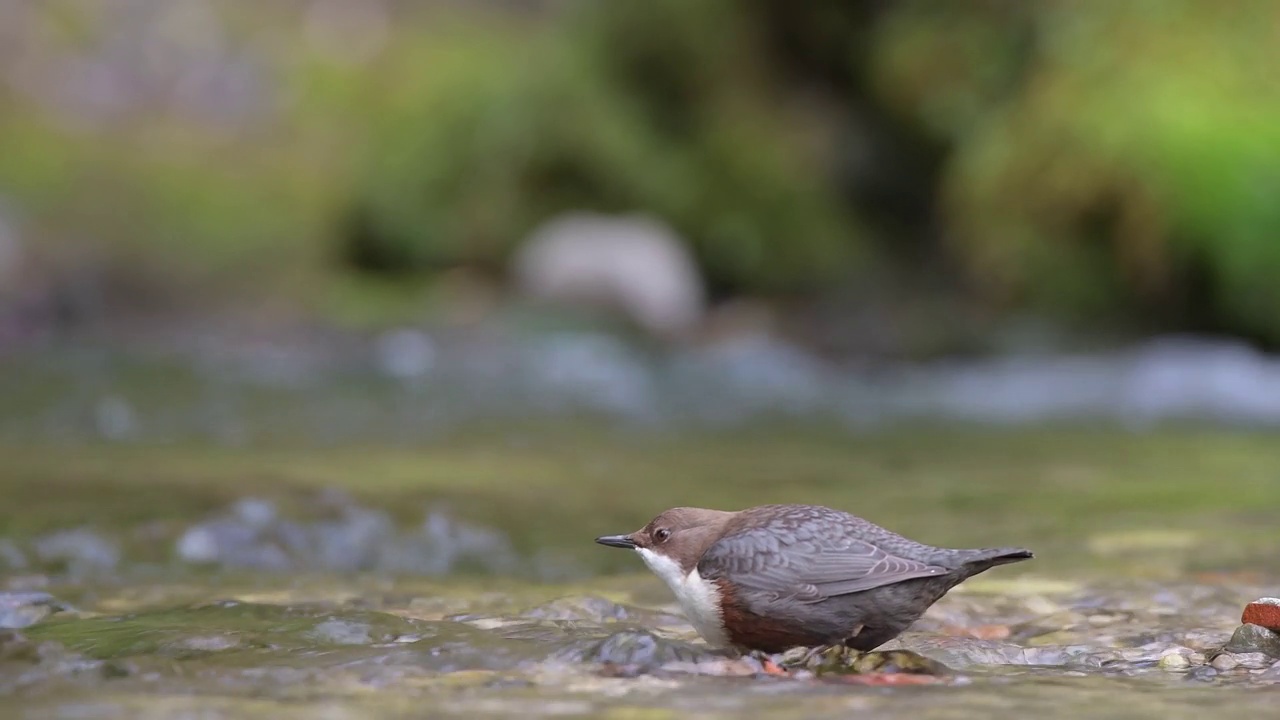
x=168 y=560
x=458 y=577
x=310 y=647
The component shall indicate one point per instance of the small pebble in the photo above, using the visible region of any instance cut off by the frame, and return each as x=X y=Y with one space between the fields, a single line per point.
x=1204 y=673
x=1224 y=662
x=208 y=643
x=1254 y=660
x=24 y=609
x=1174 y=661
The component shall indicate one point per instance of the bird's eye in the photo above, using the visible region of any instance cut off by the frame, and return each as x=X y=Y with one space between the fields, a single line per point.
x=661 y=534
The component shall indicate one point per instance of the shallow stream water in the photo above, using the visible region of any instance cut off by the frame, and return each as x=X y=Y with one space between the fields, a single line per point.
x=365 y=647
x=346 y=552
x=459 y=577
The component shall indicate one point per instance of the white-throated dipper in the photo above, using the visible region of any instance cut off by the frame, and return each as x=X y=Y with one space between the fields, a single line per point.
x=774 y=577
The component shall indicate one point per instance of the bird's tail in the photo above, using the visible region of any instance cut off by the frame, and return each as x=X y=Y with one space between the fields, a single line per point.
x=987 y=558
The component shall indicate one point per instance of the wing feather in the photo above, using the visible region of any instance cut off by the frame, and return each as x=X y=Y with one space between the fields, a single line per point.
x=809 y=556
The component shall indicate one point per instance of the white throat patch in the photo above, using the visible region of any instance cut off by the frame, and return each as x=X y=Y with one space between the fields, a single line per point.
x=699 y=599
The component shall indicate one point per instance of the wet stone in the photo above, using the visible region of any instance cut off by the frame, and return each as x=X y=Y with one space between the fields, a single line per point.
x=255 y=512
x=1254 y=660
x=968 y=652
x=1225 y=662
x=1174 y=661
x=1271 y=674
x=342 y=536
x=1146 y=654
x=114 y=669
x=636 y=648
x=79 y=552
x=1254 y=638
x=24 y=609
x=207 y=643
x=342 y=632
x=448 y=647
x=1203 y=673
x=1191 y=656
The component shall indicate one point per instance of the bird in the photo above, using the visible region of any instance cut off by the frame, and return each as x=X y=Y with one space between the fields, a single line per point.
x=774 y=577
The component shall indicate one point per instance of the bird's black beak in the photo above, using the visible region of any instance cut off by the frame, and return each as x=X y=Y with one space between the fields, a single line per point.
x=618 y=541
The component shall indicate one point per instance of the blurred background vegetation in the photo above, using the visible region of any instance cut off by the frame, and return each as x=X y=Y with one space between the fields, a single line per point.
x=253 y=247
x=1108 y=167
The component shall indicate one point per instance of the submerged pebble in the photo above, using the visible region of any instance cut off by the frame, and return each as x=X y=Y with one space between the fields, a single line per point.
x=24 y=609
x=1203 y=673
x=1271 y=674
x=208 y=643
x=342 y=632
x=345 y=537
x=79 y=552
x=634 y=648
x=1254 y=660
x=1225 y=661
x=585 y=607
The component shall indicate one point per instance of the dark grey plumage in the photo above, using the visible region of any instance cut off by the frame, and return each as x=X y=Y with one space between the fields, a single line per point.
x=829 y=573
x=774 y=577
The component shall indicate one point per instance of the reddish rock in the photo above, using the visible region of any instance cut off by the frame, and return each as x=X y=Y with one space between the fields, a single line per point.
x=772 y=668
x=1264 y=612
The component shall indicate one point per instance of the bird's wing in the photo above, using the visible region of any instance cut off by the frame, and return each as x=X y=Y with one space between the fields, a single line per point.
x=807 y=561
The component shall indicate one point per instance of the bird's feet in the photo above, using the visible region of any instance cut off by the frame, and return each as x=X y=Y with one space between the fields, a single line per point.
x=766 y=662
x=880 y=667
x=820 y=659
x=825 y=658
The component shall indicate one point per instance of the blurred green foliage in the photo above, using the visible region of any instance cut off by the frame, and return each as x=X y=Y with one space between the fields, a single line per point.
x=1105 y=155
x=1094 y=158
x=619 y=107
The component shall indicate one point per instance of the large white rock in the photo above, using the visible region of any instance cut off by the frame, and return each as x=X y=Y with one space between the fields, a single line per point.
x=631 y=263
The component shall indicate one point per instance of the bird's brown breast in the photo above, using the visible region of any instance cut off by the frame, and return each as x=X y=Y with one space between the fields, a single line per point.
x=749 y=630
